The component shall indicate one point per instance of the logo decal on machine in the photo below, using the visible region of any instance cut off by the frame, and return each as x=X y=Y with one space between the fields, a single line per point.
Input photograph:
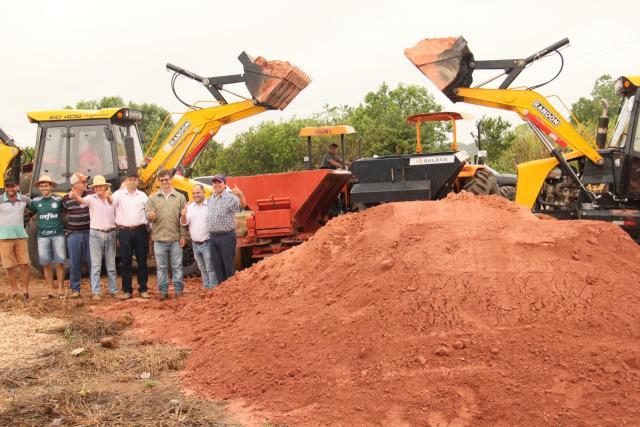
x=430 y=160
x=546 y=113
x=596 y=188
x=177 y=136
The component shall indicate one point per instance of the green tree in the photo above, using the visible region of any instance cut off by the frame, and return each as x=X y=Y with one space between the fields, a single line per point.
x=525 y=147
x=153 y=115
x=496 y=136
x=588 y=110
x=381 y=120
x=206 y=164
x=266 y=148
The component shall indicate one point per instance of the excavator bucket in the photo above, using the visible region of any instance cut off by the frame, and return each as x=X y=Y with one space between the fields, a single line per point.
x=273 y=83
x=447 y=62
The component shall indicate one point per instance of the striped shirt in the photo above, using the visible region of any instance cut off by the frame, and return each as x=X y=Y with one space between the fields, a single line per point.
x=77 y=213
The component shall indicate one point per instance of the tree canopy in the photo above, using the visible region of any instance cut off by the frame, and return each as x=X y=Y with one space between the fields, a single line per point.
x=153 y=115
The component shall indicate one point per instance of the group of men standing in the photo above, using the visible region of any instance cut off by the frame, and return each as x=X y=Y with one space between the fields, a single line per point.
x=97 y=219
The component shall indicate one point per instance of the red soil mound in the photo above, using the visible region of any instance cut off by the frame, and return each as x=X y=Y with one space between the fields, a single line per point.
x=463 y=311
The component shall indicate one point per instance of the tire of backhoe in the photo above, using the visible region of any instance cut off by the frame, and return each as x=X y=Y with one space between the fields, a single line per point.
x=32 y=245
x=508 y=192
x=482 y=183
x=189 y=264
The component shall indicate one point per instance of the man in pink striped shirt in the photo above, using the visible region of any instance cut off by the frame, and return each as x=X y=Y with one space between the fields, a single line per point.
x=102 y=233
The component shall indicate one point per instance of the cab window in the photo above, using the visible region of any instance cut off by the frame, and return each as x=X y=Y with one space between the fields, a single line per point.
x=90 y=151
x=54 y=154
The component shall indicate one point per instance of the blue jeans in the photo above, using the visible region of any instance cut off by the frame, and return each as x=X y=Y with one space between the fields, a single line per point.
x=165 y=251
x=102 y=245
x=202 y=254
x=78 y=248
x=51 y=250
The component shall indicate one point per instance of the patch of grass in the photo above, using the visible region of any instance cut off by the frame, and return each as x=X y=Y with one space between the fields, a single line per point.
x=165 y=408
x=101 y=385
x=150 y=383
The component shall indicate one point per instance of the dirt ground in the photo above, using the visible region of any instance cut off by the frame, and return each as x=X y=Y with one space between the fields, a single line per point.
x=127 y=382
x=401 y=315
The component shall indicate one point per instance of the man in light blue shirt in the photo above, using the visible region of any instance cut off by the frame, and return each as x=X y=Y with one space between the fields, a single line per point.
x=13 y=237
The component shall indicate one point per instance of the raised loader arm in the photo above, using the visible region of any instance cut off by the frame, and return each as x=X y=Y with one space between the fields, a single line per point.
x=449 y=64
x=272 y=85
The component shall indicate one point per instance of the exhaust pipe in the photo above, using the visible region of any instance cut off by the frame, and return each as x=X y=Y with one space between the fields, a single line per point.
x=603 y=125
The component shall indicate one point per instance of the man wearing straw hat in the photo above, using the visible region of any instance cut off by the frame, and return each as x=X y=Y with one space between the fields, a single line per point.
x=51 y=247
x=102 y=233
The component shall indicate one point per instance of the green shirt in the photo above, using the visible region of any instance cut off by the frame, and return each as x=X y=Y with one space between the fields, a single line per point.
x=48 y=212
x=166 y=228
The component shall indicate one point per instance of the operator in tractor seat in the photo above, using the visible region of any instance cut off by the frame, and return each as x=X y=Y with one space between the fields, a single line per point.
x=330 y=160
x=89 y=159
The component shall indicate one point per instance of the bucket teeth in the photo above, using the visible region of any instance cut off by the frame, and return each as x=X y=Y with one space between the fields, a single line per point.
x=273 y=83
x=445 y=61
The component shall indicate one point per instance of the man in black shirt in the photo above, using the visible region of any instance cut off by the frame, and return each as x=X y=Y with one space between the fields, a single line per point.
x=330 y=160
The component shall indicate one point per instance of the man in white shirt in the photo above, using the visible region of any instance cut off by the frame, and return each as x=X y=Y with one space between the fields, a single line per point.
x=194 y=215
x=131 y=222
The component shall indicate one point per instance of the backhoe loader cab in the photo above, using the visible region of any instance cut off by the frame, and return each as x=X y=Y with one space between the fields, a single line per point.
x=621 y=174
x=102 y=142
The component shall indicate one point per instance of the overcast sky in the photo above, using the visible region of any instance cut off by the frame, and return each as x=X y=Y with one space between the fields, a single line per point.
x=55 y=53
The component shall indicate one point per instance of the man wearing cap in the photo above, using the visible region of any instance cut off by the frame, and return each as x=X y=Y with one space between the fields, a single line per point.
x=13 y=237
x=51 y=245
x=102 y=233
x=131 y=222
x=194 y=215
x=169 y=237
x=222 y=207
x=77 y=228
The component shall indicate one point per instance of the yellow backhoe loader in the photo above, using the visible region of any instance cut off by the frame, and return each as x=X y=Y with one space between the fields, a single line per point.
x=107 y=142
x=596 y=180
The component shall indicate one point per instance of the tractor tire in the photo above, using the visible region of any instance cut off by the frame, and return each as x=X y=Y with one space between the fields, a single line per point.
x=32 y=245
x=189 y=264
x=508 y=192
x=483 y=182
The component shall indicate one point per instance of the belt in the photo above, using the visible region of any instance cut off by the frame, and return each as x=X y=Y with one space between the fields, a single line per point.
x=199 y=243
x=135 y=227
x=220 y=233
x=109 y=230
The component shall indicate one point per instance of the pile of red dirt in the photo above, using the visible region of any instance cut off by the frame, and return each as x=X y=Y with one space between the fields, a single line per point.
x=464 y=311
